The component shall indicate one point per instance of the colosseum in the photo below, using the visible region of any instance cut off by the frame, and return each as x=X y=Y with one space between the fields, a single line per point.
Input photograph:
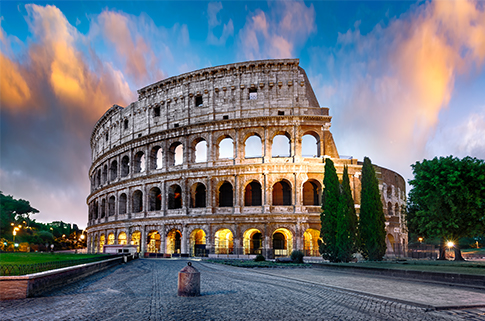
x=225 y=161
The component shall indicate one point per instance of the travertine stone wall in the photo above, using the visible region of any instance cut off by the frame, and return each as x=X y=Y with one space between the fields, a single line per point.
x=238 y=101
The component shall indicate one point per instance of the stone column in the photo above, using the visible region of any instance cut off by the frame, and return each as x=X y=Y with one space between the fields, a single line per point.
x=162 y=239
x=183 y=247
x=143 y=240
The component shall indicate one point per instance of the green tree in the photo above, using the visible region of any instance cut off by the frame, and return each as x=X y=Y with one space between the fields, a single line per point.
x=11 y=211
x=447 y=199
x=328 y=217
x=346 y=222
x=372 y=228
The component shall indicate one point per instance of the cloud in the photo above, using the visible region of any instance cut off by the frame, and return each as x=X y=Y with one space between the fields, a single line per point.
x=213 y=9
x=277 y=33
x=390 y=85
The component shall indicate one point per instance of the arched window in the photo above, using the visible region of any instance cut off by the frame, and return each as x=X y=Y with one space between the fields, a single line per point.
x=199 y=195
x=389 y=192
x=111 y=206
x=98 y=178
x=397 y=210
x=281 y=193
x=139 y=162
x=111 y=238
x=310 y=146
x=103 y=208
x=137 y=201
x=105 y=174
x=122 y=204
x=176 y=154
x=225 y=195
x=113 y=170
x=201 y=151
x=122 y=240
x=252 y=194
x=125 y=124
x=175 y=197
x=311 y=193
x=125 y=166
x=253 y=147
x=96 y=210
x=281 y=146
x=155 y=199
x=226 y=148
x=389 y=209
x=156 y=158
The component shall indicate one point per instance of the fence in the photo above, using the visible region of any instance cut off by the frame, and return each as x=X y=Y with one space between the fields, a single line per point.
x=22 y=269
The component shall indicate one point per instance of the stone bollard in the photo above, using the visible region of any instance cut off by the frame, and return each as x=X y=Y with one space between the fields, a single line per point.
x=189 y=281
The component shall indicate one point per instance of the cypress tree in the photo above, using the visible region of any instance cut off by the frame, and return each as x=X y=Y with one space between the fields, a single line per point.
x=346 y=222
x=328 y=217
x=372 y=230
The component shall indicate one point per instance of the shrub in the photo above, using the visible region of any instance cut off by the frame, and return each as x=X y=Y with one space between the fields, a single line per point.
x=297 y=256
x=259 y=258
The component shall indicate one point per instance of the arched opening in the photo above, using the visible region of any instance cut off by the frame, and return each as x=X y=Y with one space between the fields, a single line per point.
x=102 y=239
x=281 y=193
x=389 y=209
x=174 y=242
x=125 y=166
x=113 y=170
x=140 y=163
x=96 y=210
x=197 y=243
x=311 y=193
x=111 y=206
x=174 y=197
x=252 y=194
x=153 y=242
x=95 y=245
x=198 y=195
x=281 y=146
x=253 y=147
x=137 y=201
x=176 y=154
x=111 y=238
x=135 y=240
x=98 y=178
x=225 y=195
x=122 y=238
x=310 y=242
x=224 y=242
x=310 y=146
x=253 y=241
x=105 y=174
x=201 y=151
x=226 y=148
x=397 y=211
x=155 y=201
x=391 y=242
x=156 y=159
x=122 y=204
x=282 y=242
x=103 y=208
x=389 y=192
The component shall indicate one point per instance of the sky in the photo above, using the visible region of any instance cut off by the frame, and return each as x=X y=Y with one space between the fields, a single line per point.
x=404 y=81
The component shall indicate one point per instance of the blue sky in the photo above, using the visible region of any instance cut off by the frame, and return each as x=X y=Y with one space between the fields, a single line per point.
x=403 y=80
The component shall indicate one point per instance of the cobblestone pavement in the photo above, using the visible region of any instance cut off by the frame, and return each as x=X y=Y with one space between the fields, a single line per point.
x=146 y=290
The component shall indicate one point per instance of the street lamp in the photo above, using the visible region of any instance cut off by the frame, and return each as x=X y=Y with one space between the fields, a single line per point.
x=450 y=244
x=420 y=239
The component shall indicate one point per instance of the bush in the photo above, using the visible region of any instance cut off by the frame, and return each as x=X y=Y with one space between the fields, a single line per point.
x=297 y=256
x=259 y=258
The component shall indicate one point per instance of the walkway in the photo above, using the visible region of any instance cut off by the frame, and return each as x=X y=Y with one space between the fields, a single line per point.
x=146 y=289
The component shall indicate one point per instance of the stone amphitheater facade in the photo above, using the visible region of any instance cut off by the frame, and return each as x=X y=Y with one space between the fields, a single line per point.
x=222 y=161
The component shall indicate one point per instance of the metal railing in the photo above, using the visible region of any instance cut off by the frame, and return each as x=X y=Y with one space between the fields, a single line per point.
x=22 y=269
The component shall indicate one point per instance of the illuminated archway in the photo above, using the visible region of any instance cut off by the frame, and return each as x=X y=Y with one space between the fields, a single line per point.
x=310 y=242
x=252 y=241
x=102 y=239
x=392 y=242
x=197 y=243
x=174 y=242
x=135 y=239
x=282 y=242
x=224 y=242
x=153 y=242
x=111 y=238
x=122 y=238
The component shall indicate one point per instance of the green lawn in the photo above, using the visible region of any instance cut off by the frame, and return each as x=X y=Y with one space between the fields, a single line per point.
x=475 y=268
x=33 y=258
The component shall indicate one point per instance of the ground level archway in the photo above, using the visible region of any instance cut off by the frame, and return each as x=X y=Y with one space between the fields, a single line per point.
x=224 y=242
x=198 y=243
x=252 y=241
x=282 y=242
